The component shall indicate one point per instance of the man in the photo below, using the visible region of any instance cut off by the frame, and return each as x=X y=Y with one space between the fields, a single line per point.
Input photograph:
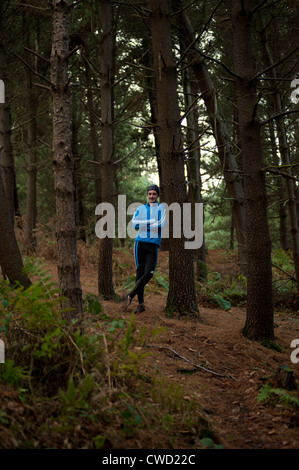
x=149 y=219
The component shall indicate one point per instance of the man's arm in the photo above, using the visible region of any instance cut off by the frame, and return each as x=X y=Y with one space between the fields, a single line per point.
x=161 y=221
x=139 y=222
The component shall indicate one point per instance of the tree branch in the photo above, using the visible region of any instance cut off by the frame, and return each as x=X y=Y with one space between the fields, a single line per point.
x=45 y=87
x=66 y=57
x=276 y=63
x=36 y=54
x=196 y=38
x=255 y=107
x=285 y=272
x=258 y=6
x=35 y=73
x=126 y=156
x=220 y=63
x=282 y=173
x=189 y=108
x=278 y=115
x=197 y=366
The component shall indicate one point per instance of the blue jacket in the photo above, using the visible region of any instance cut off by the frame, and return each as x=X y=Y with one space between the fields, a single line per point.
x=149 y=220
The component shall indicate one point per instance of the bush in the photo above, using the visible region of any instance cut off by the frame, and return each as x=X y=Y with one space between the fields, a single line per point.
x=38 y=337
x=224 y=291
x=268 y=393
x=86 y=378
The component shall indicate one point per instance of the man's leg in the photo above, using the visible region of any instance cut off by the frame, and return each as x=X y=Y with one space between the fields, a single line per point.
x=139 y=258
x=145 y=255
x=148 y=253
x=140 y=262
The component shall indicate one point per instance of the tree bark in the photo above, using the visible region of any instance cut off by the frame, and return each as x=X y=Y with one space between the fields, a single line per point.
x=79 y=193
x=285 y=157
x=259 y=320
x=105 y=275
x=7 y=170
x=220 y=131
x=152 y=95
x=94 y=136
x=10 y=257
x=193 y=163
x=63 y=163
x=31 y=196
x=283 y=228
x=181 y=298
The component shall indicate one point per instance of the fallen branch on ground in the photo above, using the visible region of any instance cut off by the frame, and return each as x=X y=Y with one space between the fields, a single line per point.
x=197 y=366
x=285 y=272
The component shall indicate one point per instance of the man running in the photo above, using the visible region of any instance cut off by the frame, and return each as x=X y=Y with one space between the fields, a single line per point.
x=149 y=219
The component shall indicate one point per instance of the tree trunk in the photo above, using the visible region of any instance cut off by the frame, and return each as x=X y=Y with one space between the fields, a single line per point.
x=10 y=257
x=285 y=158
x=7 y=170
x=79 y=193
x=259 y=320
x=181 y=296
x=283 y=229
x=105 y=277
x=63 y=162
x=193 y=163
x=152 y=95
x=220 y=131
x=31 y=203
x=94 y=136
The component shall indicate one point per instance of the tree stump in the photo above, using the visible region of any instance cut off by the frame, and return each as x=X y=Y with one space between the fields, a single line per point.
x=284 y=378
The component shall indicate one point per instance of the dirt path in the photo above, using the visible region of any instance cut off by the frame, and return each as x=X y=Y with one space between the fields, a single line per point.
x=229 y=402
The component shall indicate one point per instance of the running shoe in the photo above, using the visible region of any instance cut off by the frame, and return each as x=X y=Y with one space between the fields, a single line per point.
x=140 y=309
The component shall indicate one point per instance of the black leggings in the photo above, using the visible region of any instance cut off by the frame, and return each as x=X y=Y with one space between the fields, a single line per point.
x=146 y=255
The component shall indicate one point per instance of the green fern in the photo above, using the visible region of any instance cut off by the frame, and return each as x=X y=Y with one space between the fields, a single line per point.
x=223 y=303
x=76 y=398
x=267 y=392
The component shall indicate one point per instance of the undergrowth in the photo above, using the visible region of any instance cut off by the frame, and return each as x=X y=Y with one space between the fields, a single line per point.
x=273 y=395
x=223 y=291
x=231 y=290
x=83 y=384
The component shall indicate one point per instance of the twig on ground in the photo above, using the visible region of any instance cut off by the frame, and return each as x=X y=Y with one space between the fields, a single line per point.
x=108 y=365
x=79 y=350
x=284 y=271
x=197 y=366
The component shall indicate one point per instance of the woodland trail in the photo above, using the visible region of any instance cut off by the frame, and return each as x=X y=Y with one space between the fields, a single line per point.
x=229 y=403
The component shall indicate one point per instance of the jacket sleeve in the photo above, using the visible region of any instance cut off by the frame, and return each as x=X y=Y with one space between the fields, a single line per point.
x=139 y=222
x=161 y=221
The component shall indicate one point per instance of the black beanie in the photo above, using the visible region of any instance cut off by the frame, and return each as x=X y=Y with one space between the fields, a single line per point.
x=153 y=187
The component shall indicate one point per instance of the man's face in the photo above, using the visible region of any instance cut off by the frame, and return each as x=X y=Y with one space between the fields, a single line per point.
x=152 y=196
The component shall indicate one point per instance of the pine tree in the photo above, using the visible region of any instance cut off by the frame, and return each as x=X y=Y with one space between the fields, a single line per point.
x=63 y=162
x=181 y=296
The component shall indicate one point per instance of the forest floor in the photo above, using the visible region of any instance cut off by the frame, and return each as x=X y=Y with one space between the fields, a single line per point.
x=229 y=401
